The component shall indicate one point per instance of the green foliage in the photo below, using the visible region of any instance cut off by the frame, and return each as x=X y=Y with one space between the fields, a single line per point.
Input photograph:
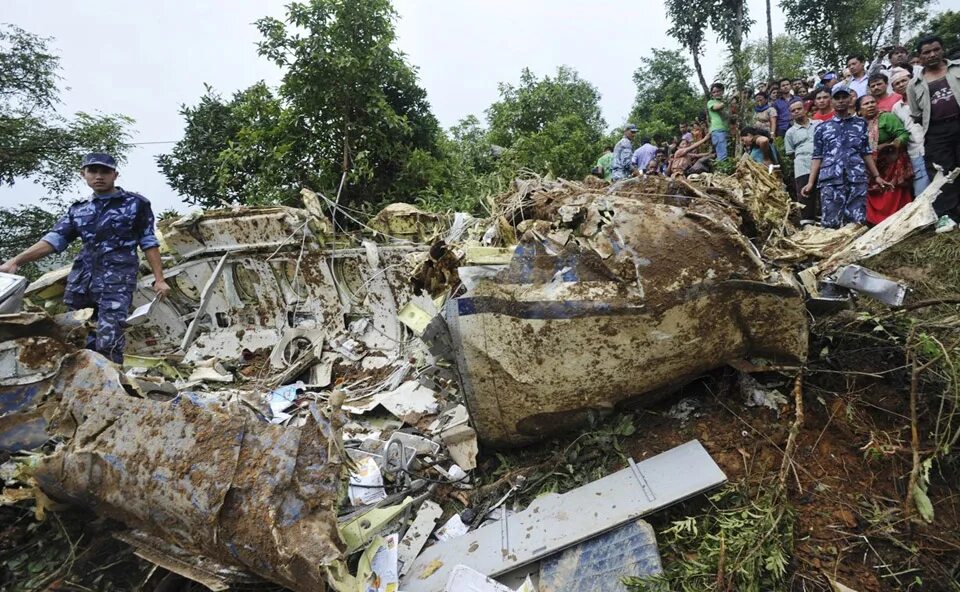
x=20 y=228
x=834 y=29
x=561 y=465
x=742 y=542
x=690 y=20
x=192 y=166
x=548 y=125
x=665 y=98
x=945 y=25
x=791 y=59
x=37 y=142
x=348 y=103
x=353 y=100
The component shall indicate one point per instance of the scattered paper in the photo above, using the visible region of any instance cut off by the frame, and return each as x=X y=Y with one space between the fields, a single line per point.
x=385 y=577
x=282 y=399
x=366 y=483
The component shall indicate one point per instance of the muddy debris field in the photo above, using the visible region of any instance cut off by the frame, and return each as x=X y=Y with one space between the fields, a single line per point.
x=660 y=384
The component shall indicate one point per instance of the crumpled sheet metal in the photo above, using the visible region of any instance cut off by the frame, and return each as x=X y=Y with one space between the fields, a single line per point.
x=228 y=487
x=641 y=299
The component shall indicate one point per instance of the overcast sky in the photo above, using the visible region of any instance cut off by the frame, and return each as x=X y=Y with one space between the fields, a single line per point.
x=145 y=59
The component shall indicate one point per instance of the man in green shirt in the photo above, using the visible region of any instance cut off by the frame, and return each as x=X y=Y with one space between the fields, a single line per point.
x=718 y=121
x=604 y=166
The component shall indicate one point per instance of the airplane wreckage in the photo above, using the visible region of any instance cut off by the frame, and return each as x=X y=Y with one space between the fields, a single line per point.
x=290 y=408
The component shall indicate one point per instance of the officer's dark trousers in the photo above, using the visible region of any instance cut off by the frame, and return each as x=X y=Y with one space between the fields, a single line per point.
x=110 y=311
x=942 y=146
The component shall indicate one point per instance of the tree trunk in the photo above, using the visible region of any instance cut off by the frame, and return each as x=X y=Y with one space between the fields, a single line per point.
x=897 y=20
x=737 y=48
x=769 y=43
x=699 y=69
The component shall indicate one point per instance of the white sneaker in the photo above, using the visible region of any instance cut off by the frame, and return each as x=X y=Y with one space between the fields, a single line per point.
x=945 y=224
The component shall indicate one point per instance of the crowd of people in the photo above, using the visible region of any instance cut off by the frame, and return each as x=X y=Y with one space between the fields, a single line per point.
x=863 y=143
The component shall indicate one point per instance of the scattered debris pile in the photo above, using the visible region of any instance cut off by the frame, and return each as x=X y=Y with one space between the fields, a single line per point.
x=308 y=405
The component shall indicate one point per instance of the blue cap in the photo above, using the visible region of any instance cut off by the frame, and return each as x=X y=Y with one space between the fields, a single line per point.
x=630 y=128
x=99 y=158
x=828 y=76
x=840 y=88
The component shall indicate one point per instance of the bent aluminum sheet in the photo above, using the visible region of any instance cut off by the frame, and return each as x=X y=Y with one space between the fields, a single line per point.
x=555 y=522
x=222 y=485
x=872 y=284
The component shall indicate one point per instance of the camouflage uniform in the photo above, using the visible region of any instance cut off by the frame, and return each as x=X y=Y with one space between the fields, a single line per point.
x=104 y=274
x=622 y=166
x=840 y=145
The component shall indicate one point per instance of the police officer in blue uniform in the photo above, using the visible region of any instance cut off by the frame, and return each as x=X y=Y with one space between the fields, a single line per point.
x=841 y=159
x=111 y=223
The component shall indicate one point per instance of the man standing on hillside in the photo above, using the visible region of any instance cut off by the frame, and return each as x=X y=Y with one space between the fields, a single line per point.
x=900 y=78
x=839 y=164
x=603 y=168
x=798 y=143
x=644 y=154
x=623 y=166
x=782 y=108
x=934 y=101
x=879 y=86
x=718 y=121
x=858 y=76
x=111 y=223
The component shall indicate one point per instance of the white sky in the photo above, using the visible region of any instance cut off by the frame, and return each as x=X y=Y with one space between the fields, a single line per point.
x=145 y=59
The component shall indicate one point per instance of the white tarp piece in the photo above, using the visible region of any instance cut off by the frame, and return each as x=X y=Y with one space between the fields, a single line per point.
x=564 y=520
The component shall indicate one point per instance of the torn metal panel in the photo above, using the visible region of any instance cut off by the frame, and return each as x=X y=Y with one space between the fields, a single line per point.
x=416 y=536
x=872 y=284
x=226 y=486
x=560 y=521
x=465 y=579
x=29 y=359
x=408 y=222
x=201 y=310
x=916 y=215
x=241 y=229
x=12 y=288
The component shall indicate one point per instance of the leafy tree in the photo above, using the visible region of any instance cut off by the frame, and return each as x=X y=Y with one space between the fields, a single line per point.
x=191 y=167
x=690 y=20
x=550 y=125
x=353 y=102
x=37 y=142
x=791 y=59
x=834 y=29
x=665 y=98
x=946 y=25
x=348 y=103
x=20 y=228
x=731 y=20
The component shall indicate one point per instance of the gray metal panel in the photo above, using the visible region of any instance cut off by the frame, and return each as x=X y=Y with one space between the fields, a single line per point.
x=555 y=522
x=872 y=284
